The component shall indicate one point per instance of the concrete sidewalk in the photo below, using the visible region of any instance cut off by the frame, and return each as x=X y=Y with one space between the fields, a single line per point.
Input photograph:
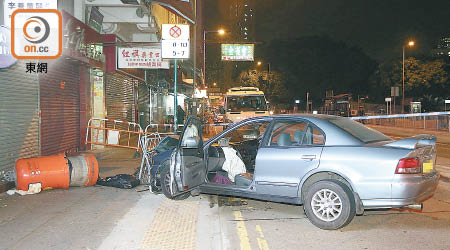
x=114 y=161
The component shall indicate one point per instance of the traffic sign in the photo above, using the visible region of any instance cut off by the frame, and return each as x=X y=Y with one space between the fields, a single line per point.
x=175 y=31
x=175 y=42
x=174 y=49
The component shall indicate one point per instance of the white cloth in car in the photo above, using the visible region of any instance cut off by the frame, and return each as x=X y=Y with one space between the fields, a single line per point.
x=233 y=164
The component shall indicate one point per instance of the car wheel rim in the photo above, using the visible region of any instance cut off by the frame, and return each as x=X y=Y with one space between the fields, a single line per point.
x=326 y=205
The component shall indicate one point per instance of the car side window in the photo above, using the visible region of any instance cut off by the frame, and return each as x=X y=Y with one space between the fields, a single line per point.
x=313 y=136
x=191 y=137
x=287 y=133
x=247 y=132
x=295 y=133
x=318 y=138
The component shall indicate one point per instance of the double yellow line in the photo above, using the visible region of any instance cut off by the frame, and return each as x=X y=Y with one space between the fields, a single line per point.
x=243 y=234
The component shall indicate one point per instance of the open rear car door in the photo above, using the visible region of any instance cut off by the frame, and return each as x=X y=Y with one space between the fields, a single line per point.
x=189 y=171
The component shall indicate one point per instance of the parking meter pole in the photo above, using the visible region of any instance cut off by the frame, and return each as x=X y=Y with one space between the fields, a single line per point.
x=175 y=104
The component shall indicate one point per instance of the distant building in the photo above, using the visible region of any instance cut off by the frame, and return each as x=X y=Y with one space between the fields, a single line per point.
x=242 y=14
x=442 y=48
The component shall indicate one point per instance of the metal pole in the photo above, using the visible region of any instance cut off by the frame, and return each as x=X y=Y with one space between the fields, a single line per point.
x=307 y=102
x=403 y=81
x=204 y=57
x=175 y=104
x=394 y=103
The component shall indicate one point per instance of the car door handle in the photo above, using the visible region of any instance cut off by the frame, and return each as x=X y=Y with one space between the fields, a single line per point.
x=308 y=157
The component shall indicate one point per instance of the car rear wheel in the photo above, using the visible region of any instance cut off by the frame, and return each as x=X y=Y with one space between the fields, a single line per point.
x=329 y=204
x=165 y=185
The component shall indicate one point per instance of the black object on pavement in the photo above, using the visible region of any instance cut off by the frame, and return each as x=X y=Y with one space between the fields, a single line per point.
x=125 y=181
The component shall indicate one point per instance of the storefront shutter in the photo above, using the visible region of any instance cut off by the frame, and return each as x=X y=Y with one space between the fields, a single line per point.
x=19 y=122
x=120 y=101
x=144 y=104
x=60 y=107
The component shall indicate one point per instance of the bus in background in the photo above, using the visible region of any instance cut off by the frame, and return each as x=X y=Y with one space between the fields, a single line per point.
x=244 y=102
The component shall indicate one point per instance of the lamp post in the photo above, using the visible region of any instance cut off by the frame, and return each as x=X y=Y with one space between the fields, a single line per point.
x=259 y=63
x=410 y=44
x=221 y=32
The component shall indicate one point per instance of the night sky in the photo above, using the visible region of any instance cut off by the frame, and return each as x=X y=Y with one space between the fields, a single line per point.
x=379 y=27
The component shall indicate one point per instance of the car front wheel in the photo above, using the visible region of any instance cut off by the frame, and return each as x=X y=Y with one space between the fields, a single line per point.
x=165 y=185
x=329 y=204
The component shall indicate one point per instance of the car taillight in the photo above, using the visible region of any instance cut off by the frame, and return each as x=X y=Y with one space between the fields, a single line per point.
x=408 y=166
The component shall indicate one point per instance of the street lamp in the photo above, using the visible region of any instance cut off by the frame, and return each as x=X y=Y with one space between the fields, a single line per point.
x=410 y=44
x=259 y=63
x=221 y=32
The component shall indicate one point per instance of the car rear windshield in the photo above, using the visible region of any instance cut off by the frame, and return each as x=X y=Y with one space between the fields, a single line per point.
x=358 y=130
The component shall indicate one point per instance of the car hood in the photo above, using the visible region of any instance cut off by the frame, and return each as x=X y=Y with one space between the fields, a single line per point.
x=161 y=157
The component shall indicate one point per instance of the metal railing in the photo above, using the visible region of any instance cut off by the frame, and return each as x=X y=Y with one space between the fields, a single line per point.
x=439 y=121
x=113 y=133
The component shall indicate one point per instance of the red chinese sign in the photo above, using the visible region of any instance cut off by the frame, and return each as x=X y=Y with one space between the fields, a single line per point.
x=145 y=58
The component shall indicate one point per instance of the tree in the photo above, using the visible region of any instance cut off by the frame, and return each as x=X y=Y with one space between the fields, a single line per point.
x=273 y=85
x=426 y=80
x=317 y=64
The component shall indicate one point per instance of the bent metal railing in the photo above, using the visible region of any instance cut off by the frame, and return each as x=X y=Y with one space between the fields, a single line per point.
x=439 y=121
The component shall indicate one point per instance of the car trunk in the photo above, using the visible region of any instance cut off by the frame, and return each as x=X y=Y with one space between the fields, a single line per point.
x=423 y=147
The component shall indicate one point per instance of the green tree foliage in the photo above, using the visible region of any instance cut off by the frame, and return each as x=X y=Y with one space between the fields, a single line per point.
x=426 y=80
x=272 y=84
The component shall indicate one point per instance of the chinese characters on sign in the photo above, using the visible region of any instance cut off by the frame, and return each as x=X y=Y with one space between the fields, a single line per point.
x=41 y=67
x=238 y=52
x=9 y=6
x=144 y=58
x=81 y=42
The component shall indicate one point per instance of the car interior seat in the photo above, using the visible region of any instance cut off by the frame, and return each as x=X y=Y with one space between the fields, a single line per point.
x=284 y=140
x=298 y=136
x=216 y=158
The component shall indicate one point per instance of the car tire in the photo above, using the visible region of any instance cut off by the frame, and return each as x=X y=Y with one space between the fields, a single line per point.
x=329 y=204
x=165 y=185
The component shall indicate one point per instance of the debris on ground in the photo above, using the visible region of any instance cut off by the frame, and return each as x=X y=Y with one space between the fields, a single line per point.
x=33 y=188
x=125 y=181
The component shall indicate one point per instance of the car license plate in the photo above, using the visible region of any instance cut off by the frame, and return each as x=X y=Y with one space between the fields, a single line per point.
x=427 y=167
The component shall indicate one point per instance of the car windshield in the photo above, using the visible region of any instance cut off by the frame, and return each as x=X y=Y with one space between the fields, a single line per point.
x=358 y=130
x=168 y=143
x=246 y=103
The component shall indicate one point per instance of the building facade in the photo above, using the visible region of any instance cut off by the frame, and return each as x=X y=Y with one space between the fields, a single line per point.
x=47 y=113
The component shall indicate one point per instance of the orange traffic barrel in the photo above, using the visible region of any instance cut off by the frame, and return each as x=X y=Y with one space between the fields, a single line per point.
x=84 y=170
x=50 y=171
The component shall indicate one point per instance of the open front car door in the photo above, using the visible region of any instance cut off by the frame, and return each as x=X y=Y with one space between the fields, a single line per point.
x=188 y=169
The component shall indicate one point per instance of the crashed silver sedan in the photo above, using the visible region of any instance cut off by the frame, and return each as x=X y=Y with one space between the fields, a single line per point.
x=333 y=166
